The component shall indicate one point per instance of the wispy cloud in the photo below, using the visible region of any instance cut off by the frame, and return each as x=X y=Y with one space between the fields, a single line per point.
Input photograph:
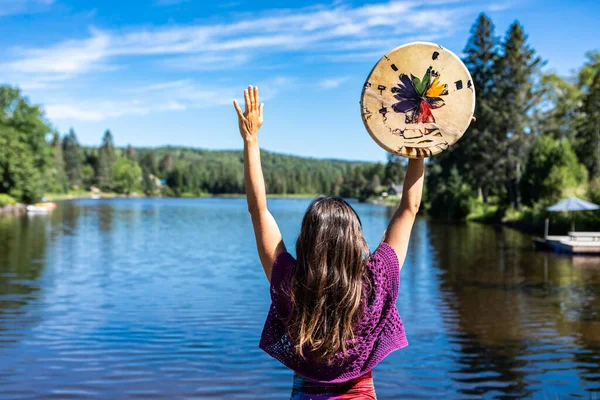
x=338 y=29
x=179 y=95
x=14 y=7
x=100 y=111
x=207 y=62
x=332 y=83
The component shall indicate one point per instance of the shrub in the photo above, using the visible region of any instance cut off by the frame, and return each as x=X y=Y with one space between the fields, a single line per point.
x=6 y=200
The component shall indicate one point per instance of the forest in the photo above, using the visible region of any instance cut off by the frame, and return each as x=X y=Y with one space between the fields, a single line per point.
x=536 y=140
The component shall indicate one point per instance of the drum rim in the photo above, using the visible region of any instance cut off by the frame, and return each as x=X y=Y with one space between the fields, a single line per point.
x=364 y=88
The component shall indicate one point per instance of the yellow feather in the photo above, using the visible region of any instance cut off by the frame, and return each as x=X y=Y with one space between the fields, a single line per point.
x=436 y=89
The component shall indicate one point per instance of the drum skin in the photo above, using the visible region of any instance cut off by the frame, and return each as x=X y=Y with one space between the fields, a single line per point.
x=418 y=100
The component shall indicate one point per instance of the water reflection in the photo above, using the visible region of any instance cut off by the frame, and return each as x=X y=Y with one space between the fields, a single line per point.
x=22 y=261
x=165 y=298
x=516 y=315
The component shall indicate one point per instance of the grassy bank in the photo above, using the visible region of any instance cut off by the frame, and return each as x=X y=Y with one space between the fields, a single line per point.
x=6 y=200
x=532 y=219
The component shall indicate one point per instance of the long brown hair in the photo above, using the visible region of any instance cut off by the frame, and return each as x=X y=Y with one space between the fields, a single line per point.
x=327 y=285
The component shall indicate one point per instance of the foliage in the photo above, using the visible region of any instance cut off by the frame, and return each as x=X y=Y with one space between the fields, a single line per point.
x=588 y=138
x=394 y=169
x=560 y=107
x=478 y=156
x=55 y=176
x=594 y=190
x=24 y=152
x=449 y=196
x=73 y=159
x=106 y=161
x=552 y=167
x=481 y=211
x=149 y=185
x=127 y=174
x=6 y=200
x=518 y=68
x=88 y=176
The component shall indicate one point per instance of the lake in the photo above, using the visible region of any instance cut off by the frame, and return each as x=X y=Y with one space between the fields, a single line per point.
x=166 y=298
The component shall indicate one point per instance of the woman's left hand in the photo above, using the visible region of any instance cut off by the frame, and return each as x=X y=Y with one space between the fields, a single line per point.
x=251 y=120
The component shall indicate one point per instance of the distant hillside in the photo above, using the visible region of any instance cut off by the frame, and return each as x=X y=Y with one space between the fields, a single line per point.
x=192 y=170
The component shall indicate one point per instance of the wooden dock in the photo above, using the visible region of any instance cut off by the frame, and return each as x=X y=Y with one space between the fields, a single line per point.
x=568 y=244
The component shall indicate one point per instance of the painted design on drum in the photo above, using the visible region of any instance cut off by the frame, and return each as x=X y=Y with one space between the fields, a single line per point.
x=417 y=97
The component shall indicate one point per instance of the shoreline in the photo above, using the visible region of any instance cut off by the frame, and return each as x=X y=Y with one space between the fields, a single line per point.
x=103 y=196
x=21 y=209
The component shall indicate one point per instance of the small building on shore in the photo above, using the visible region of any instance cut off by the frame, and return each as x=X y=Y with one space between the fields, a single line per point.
x=395 y=190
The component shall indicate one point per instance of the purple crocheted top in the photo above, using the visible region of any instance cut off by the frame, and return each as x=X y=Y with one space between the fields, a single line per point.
x=378 y=332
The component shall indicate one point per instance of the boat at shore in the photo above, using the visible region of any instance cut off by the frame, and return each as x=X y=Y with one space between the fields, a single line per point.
x=41 y=208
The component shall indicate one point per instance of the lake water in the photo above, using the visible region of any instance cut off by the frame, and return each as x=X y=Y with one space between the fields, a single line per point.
x=166 y=298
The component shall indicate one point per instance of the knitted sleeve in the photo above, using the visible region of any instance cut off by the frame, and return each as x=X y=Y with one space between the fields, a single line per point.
x=280 y=279
x=390 y=266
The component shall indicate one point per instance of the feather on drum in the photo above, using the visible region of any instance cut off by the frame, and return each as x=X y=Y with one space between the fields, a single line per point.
x=418 y=100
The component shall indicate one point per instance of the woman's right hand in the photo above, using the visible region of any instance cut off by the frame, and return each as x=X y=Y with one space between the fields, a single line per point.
x=252 y=119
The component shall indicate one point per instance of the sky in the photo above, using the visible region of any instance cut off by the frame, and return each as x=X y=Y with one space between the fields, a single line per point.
x=165 y=72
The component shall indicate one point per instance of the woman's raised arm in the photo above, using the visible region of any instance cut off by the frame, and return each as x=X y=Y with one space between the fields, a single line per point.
x=398 y=231
x=268 y=237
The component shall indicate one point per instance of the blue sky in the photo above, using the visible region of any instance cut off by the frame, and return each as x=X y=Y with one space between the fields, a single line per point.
x=163 y=72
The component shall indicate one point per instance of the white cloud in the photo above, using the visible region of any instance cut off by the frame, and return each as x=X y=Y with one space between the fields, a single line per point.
x=171 y=96
x=65 y=59
x=335 y=29
x=332 y=83
x=71 y=112
x=15 y=7
x=337 y=32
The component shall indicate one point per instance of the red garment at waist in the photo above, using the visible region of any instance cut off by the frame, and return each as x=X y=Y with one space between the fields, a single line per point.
x=359 y=388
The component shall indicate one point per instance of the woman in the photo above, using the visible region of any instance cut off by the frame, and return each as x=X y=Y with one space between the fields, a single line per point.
x=333 y=315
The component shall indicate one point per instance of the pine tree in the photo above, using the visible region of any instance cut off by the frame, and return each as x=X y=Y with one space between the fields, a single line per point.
x=476 y=157
x=588 y=137
x=73 y=158
x=166 y=164
x=130 y=153
x=394 y=169
x=517 y=68
x=106 y=161
x=57 y=181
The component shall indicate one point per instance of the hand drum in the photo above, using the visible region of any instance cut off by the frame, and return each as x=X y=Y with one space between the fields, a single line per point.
x=418 y=100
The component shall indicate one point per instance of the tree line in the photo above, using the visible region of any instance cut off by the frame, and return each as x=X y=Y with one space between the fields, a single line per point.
x=36 y=160
x=536 y=138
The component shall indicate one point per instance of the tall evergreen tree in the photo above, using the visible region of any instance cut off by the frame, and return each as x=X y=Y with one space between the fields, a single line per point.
x=517 y=67
x=56 y=178
x=477 y=157
x=394 y=170
x=130 y=153
x=73 y=157
x=106 y=161
x=588 y=138
x=166 y=164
